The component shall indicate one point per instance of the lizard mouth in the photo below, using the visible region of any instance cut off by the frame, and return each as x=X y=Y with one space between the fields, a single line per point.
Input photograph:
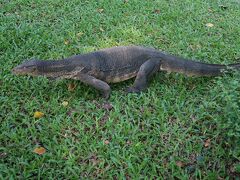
x=19 y=70
x=15 y=71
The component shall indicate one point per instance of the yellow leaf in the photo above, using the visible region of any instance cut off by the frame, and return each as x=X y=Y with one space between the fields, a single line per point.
x=66 y=42
x=209 y=25
x=101 y=29
x=71 y=87
x=80 y=34
x=100 y=10
x=39 y=150
x=65 y=103
x=38 y=114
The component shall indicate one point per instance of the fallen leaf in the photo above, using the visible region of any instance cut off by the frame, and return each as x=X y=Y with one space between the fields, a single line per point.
x=80 y=34
x=106 y=142
x=157 y=11
x=66 y=42
x=210 y=10
x=65 y=103
x=100 y=10
x=71 y=87
x=129 y=142
x=39 y=150
x=107 y=106
x=207 y=143
x=209 y=25
x=38 y=114
x=180 y=164
x=101 y=29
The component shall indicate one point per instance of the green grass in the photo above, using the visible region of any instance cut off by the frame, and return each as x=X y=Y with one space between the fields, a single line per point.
x=150 y=134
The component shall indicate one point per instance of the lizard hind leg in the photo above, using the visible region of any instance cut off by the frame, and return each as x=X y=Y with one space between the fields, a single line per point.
x=146 y=70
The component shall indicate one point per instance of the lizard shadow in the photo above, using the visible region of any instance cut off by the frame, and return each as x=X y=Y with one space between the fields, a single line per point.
x=167 y=81
x=158 y=80
x=162 y=82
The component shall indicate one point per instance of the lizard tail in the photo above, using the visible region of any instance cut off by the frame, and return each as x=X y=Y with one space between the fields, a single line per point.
x=195 y=68
x=235 y=66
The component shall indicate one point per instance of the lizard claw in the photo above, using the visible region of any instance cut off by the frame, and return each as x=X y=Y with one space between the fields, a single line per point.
x=133 y=90
x=106 y=94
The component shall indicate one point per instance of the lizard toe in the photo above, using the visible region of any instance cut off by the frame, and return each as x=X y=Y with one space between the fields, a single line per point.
x=133 y=90
x=106 y=94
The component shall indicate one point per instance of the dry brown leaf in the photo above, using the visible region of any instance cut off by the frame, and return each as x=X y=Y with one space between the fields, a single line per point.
x=39 y=150
x=157 y=11
x=180 y=164
x=71 y=87
x=209 y=25
x=106 y=142
x=207 y=143
x=38 y=114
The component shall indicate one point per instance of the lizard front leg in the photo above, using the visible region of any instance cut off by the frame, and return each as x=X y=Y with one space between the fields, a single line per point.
x=94 y=82
x=146 y=70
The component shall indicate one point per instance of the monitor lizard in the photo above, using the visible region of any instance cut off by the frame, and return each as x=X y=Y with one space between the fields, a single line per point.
x=116 y=64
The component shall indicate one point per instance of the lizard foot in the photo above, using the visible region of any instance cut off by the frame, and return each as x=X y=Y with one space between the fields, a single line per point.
x=133 y=90
x=106 y=94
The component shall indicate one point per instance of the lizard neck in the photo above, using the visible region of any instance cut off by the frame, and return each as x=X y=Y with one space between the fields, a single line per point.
x=54 y=68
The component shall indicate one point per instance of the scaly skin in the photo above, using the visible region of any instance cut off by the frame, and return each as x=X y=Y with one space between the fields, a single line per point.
x=118 y=64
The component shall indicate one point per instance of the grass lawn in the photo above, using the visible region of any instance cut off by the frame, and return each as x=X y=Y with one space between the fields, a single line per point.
x=181 y=127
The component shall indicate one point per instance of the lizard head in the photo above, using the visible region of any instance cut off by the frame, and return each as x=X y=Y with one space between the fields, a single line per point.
x=26 y=68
